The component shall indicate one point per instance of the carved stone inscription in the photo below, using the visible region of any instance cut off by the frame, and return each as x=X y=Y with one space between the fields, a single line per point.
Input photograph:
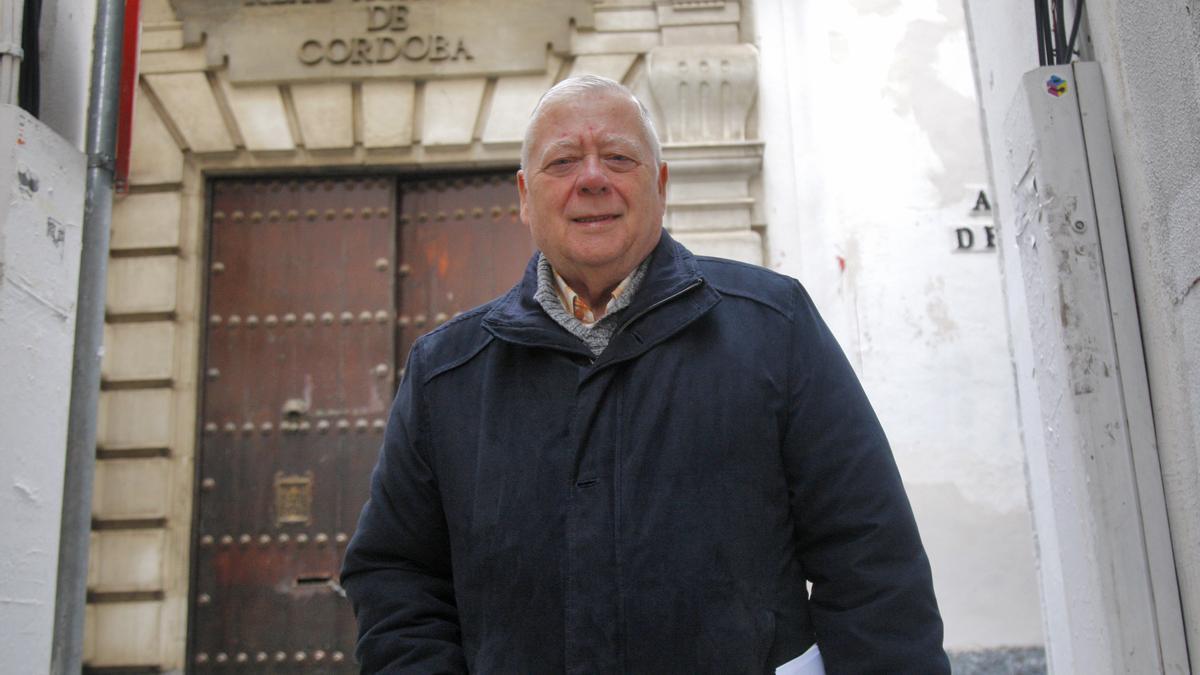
x=386 y=39
x=295 y=40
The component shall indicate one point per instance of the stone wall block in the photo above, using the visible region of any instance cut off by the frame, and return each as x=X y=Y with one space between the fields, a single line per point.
x=157 y=11
x=699 y=22
x=89 y=633
x=629 y=42
x=709 y=216
x=123 y=561
x=387 y=108
x=704 y=92
x=625 y=18
x=145 y=220
x=124 y=634
x=189 y=100
x=451 y=108
x=326 y=114
x=723 y=177
x=161 y=38
x=693 y=12
x=137 y=418
x=188 y=60
x=260 y=116
x=701 y=34
x=142 y=284
x=745 y=246
x=131 y=488
x=154 y=157
x=612 y=66
x=512 y=103
x=138 y=351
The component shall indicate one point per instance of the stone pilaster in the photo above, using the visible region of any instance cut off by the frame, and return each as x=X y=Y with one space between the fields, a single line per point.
x=704 y=94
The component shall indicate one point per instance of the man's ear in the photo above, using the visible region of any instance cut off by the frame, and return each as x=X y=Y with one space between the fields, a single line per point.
x=523 y=194
x=663 y=175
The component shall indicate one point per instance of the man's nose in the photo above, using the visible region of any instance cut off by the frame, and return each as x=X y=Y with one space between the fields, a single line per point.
x=593 y=179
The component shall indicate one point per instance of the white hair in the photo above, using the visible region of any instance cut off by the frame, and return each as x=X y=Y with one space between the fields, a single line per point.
x=581 y=85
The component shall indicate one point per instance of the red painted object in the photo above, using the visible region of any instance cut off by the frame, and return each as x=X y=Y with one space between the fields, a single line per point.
x=129 y=82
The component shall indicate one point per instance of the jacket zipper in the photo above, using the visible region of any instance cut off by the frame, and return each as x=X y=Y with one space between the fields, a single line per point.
x=695 y=284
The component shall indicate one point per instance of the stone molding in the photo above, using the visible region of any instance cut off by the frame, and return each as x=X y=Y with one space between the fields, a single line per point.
x=709 y=200
x=704 y=94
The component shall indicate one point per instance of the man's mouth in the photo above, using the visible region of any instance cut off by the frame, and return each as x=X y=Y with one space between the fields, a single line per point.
x=594 y=219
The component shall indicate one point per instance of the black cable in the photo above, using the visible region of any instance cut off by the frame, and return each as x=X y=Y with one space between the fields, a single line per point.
x=1075 y=28
x=1062 y=56
x=1041 y=33
x=29 y=90
x=1047 y=31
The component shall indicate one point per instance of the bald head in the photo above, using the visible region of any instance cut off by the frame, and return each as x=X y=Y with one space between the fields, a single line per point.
x=581 y=87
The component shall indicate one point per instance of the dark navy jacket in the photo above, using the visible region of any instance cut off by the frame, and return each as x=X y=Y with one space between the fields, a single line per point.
x=654 y=510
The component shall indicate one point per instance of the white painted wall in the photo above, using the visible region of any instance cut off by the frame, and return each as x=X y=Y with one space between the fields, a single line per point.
x=40 y=236
x=66 y=53
x=1149 y=55
x=1147 y=52
x=41 y=210
x=874 y=158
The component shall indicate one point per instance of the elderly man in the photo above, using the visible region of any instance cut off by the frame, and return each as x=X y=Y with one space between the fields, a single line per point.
x=635 y=460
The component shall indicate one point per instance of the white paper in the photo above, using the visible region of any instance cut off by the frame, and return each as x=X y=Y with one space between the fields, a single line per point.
x=808 y=663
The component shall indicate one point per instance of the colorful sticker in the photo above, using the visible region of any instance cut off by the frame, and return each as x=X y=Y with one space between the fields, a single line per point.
x=1056 y=85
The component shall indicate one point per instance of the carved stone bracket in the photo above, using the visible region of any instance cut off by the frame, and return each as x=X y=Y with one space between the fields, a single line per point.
x=704 y=95
x=704 y=91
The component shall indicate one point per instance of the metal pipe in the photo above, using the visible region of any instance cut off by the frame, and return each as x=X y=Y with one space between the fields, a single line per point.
x=71 y=599
x=11 y=21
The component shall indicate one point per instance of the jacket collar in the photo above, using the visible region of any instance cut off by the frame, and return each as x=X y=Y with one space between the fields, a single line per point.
x=672 y=295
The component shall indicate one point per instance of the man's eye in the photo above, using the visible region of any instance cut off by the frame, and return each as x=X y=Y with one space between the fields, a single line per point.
x=620 y=161
x=560 y=165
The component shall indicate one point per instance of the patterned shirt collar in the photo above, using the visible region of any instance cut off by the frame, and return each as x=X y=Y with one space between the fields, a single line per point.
x=578 y=307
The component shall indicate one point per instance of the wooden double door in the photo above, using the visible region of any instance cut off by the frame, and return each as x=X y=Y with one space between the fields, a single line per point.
x=317 y=287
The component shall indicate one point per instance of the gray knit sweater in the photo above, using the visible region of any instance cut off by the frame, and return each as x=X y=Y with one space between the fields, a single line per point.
x=597 y=335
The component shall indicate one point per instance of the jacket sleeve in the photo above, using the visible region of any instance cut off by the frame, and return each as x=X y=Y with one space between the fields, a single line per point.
x=397 y=570
x=872 y=602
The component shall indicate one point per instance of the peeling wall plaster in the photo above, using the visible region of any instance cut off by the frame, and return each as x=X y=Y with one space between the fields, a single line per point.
x=41 y=206
x=873 y=158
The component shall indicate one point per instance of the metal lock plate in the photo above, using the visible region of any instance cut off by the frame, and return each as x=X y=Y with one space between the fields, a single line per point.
x=293 y=498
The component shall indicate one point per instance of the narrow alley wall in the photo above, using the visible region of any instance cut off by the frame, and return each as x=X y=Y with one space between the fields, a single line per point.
x=1149 y=55
x=875 y=187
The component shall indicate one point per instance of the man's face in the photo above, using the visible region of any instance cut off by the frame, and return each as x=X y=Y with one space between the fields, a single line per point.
x=591 y=193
